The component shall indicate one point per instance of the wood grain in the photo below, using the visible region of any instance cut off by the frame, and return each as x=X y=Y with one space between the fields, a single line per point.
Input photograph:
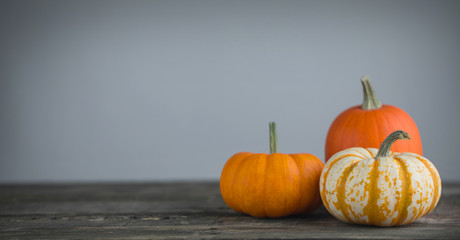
x=184 y=210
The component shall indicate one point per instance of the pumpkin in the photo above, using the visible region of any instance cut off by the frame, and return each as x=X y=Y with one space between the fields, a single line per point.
x=377 y=187
x=271 y=185
x=368 y=124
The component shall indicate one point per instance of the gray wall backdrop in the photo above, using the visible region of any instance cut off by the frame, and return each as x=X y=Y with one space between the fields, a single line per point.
x=169 y=90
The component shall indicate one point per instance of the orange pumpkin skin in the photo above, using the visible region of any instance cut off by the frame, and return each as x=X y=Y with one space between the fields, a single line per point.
x=271 y=185
x=356 y=127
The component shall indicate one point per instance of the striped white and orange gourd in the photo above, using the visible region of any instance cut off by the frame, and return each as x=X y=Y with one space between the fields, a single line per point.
x=377 y=187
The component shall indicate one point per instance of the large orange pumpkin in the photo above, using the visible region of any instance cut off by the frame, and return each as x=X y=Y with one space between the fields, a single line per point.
x=271 y=185
x=368 y=124
x=376 y=187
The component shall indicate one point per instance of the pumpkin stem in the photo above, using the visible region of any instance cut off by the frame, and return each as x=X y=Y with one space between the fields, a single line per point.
x=384 y=150
x=370 y=101
x=273 y=138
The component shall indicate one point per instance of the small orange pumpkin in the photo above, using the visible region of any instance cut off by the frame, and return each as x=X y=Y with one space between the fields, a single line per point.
x=368 y=124
x=376 y=187
x=271 y=185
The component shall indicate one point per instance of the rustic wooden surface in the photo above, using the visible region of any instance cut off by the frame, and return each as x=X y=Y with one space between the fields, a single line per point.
x=184 y=210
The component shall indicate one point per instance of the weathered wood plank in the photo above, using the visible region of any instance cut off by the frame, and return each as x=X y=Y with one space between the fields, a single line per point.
x=183 y=211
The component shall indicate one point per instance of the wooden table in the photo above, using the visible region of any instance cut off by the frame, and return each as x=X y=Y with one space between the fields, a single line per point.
x=183 y=210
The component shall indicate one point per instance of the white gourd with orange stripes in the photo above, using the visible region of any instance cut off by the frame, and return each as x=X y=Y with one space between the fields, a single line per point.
x=376 y=187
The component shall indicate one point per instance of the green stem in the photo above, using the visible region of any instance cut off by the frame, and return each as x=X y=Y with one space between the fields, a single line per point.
x=370 y=101
x=384 y=150
x=273 y=138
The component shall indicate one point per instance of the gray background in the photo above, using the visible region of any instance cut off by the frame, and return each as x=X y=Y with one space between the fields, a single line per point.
x=169 y=90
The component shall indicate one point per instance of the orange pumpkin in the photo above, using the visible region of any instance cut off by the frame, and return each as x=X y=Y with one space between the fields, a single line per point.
x=376 y=187
x=368 y=124
x=271 y=185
